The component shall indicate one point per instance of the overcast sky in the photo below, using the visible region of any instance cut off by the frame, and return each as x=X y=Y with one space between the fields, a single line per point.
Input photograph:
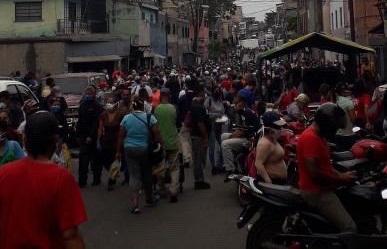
x=257 y=8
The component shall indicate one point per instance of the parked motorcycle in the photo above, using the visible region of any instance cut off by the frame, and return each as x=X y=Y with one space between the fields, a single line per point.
x=284 y=218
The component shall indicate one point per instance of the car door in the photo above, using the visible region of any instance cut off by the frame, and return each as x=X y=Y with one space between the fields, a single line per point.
x=25 y=93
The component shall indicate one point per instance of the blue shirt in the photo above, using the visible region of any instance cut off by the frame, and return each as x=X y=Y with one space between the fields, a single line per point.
x=248 y=96
x=12 y=152
x=136 y=130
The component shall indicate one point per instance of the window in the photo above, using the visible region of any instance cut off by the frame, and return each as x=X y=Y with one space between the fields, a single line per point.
x=14 y=96
x=173 y=29
x=151 y=18
x=341 y=17
x=28 y=11
x=337 y=24
x=143 y=16
x=332 y=21
x=25 y=93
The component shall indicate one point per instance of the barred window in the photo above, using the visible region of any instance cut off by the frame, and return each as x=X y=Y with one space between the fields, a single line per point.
x=28 y=11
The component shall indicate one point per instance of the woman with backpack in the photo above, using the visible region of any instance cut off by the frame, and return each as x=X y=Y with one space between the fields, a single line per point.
x=134 y=135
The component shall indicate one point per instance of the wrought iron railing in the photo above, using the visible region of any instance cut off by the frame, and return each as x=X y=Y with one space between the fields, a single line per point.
x=77 y=26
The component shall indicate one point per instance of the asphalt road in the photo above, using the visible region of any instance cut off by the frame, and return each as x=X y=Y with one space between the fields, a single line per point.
x=201 y=219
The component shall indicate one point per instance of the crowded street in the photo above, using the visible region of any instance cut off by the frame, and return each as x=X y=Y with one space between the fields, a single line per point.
x=193 y=124
x=202 y=219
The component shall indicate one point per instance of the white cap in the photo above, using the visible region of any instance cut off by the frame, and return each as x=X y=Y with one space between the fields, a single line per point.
x=228 y=69
x=206 y=72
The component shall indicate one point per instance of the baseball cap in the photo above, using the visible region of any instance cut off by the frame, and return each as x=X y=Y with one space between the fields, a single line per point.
x=273 y=120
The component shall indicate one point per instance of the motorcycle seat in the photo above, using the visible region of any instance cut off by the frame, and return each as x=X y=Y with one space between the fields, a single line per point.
x=282 y=193
x=342 y=156
x=351 y=164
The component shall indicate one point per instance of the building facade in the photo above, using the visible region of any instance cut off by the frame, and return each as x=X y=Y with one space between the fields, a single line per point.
x=79 y=35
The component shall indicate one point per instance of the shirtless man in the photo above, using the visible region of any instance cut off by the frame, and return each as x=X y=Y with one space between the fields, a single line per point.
x=269 y=160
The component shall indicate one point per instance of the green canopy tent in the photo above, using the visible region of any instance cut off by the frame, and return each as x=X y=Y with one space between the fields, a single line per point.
x=316 y=40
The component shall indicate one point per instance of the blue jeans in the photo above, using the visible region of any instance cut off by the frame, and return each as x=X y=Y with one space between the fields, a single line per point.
x=214 y=147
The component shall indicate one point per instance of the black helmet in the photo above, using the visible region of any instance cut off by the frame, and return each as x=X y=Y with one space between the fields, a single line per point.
x=329 y=118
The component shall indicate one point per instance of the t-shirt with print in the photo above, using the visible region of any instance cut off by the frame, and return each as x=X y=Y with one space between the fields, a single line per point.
x=45 y=200
x=311 y=145
x=166 y=120
x=135 y=126
x=360 y=103
x=347 y=105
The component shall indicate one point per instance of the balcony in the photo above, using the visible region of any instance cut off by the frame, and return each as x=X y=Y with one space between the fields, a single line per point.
x=79 y=27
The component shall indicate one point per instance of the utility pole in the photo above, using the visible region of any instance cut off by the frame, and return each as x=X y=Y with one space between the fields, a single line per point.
x=352 y=20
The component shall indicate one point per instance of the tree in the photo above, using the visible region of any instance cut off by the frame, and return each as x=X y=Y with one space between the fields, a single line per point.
x=217 y=9
x=270 y=19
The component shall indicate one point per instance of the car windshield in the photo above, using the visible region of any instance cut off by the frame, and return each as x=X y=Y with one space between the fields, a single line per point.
x=72 y=85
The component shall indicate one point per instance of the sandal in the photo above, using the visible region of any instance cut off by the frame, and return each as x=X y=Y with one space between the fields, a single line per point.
x=135 y=210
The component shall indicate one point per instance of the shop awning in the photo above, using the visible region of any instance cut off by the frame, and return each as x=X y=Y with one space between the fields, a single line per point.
x=83 y=59
x=316 y=40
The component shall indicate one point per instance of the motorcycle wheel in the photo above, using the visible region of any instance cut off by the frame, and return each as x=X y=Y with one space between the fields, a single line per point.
x=264 y=231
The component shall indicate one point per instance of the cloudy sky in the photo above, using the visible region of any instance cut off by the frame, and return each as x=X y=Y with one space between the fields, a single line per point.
x=257 y=8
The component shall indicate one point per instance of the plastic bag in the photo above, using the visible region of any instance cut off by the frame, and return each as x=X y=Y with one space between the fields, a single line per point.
x=114 y=171
x=63 y=158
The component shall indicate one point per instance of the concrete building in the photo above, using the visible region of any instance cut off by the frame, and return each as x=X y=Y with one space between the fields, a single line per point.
x=78 y=35
x=179 y=42
x=366 y=17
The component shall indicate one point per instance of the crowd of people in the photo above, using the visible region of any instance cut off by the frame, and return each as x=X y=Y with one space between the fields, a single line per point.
x=214 y=109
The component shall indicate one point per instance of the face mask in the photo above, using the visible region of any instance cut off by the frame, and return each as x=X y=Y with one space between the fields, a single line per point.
x=109 y=107
x=2 y=105
x=87 y=97
x=55 y=109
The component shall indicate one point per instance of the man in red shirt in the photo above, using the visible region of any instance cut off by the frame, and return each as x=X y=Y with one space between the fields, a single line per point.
x=40 y=202
x=318 y=179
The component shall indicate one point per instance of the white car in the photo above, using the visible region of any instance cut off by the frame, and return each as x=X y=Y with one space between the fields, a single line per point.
x=18 y=92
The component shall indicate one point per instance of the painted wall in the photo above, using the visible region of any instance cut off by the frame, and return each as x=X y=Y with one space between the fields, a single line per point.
x=366 y=18
x=123 y=18
x=40 y=57
x=51 y=11
x=158 y=39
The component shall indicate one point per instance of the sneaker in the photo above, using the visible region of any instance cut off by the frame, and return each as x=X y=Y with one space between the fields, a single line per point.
x=154 y=201
x=202 y=185
x=173 y=199
x=135 y=210
x=228 y=173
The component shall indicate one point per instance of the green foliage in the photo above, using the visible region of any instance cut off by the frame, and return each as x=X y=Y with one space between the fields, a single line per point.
x=215 y=48
x=270 y=19
x=217 y=8
x=292 y=24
